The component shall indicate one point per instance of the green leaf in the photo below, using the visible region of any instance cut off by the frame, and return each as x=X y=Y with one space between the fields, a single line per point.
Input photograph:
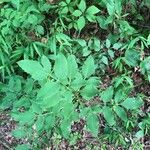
x=89 y=67
x=107 y=95
x=50 y=94
x=36 y=108
x=46 y=64
x=72 y=66
x=89 y=91
x=118 y=7
x=108 y=43
x=61 y=67
x=82 y=5
x=81 y=23
x=144 y=65
x=49 y=121
x=39 y=123
x=48 y=89
x=121 y=113
x=68 y=1
x=102 y=21
x=78 y=82
x=16 y=3
x=34 y=68
x=52 y=100
x=132 y=103
x=119 y=95
x=19 y=133
x=132 y=57
x=23 y=147
x=108 y=115
x=93 y=124
x=65 y=128
x=40 y=29
x=96 y=44
x=30 y=66
x=92 y=10
x=25 y=117
x=111 y=53
x=93 y=81
x=32 y=19
x=140 y=134
x=111 y=8
x=77 y=13
x=117 y=46
x=104 y=60
x=148 y=40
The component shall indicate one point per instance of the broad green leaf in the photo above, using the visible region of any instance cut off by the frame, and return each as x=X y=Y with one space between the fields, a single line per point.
x=16 y=3
x=117 y=46
x=61 y=67
x=132 y=103
x=36 y=108
x=111 y=53
x=65 y=128
x=39 y=123
x=46 y=64
x=107 y=95
x=118 y=7
x=64 y=10
x=89 y=91
x=82 y=5
x=104 y=60
x=19 y=133
x=30 y=66
x=72 y=66
x=23 y=147
x=89 y=67
x=52 y=100
x=140 y=134
x=132 y=57
x=121 y=113
x=108 y=43
x=67 y=95
x=93 y=124
x=68 y=1
x=22 y=102
x=48 y=89
x=77 y=13
x=24 y=117
x=40 y=29
x=144 y=65
x=92 y=10
x=108 y=115
x=49 y=121
x=102 y=21
x=111 y=8
x=67 y=109
x=81 y=23
x=93 y=81
x=119 y=95
x=32 y=19
x=97 y=44
x=78 y=82
x=34 y=68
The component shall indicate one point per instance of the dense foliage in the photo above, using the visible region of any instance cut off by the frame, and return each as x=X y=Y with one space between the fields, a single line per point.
x=67 y=62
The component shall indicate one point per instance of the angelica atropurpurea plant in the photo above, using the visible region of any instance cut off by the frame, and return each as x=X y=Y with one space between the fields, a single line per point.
x=59 y=94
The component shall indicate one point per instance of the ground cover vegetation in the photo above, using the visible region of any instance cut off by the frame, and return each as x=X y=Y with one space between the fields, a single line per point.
x=76 y=74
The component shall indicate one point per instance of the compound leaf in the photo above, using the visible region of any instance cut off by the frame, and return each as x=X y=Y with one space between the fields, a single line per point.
x=93 y=124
